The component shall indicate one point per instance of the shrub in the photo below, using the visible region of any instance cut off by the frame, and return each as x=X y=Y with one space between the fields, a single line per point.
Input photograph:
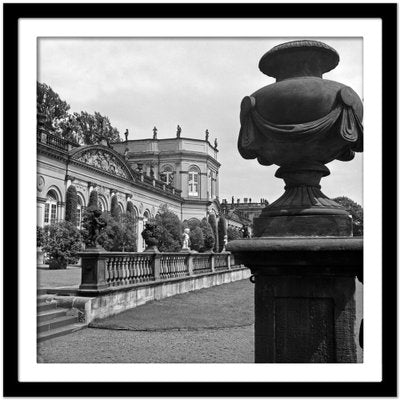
x=39 y=236
x=71 y=204
x=193 y=223
x=213 y=223
x=196 y=239
x=233 y=233
x=61 y=243
x=168 y=232
x=93 y=199
x=118 y=235
x=221 y=231
x=208 y=235
x=115 y=210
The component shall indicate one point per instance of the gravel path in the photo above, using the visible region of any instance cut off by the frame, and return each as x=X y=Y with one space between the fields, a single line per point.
x=229 y=345
x=212 y=325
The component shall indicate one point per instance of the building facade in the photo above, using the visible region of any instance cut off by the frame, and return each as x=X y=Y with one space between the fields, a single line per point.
x=179 y=172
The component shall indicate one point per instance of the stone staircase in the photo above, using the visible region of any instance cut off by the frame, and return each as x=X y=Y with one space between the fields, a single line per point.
x=54 y=321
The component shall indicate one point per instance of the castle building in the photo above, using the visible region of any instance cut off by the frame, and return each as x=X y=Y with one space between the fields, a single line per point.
x=239 y=213
x=179 y=172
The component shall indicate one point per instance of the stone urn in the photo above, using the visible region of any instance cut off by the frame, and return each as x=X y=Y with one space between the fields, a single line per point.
x=300 y=123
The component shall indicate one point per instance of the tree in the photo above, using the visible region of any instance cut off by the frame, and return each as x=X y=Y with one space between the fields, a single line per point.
x=93 y=199
x=80 y=128
x=71 y=204
x=111 y=237
x=213 y=223
x=168 y=230
x=356 y=211
x=115 y=210
x=221 y=232
x=50 y=105
x=130 y=208
x=93 y=128
x=208 y=235
x=129 y=237
x=196 y=239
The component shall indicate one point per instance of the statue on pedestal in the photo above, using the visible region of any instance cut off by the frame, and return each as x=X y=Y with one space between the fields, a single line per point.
x=207 y=135
x=178 y=131
x=186 y=240
x=155 y=133
x=94 y=223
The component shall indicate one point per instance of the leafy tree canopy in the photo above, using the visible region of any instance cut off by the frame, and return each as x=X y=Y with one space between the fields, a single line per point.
x=80 y=128
x=196 y=239
x=168 y=230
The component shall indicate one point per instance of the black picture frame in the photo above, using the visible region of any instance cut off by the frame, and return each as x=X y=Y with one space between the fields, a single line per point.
x=13 y=387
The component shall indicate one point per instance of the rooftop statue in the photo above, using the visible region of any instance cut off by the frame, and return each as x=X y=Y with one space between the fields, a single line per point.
x=207 y=135
x=300 y=123
x=126 y=135
x=155 y=133
x=178 y=131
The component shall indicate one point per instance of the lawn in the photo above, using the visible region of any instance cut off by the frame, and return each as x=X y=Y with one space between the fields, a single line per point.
x=47 y=278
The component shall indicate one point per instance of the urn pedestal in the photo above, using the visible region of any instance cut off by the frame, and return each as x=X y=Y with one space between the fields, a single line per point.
x=308 y=298
x=306 y=266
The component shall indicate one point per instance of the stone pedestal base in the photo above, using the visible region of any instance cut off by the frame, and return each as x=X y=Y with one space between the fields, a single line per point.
x=303 y=225
x=308 y=300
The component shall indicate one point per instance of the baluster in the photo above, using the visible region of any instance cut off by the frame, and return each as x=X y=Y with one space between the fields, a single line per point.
x=135 y=269
x=107 y=271
x=141 y=265
x=124 y=271
x=111 y=269
x=117 y=271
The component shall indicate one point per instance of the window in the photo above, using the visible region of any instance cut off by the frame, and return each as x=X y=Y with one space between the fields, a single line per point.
x=167 y=175
x=50 y=208
x=79 y=213
x=193 y=182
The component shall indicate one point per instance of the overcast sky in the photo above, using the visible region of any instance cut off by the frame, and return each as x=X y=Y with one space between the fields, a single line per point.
x=196 y=83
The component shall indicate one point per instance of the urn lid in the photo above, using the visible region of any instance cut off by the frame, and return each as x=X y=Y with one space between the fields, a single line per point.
x=299 y=58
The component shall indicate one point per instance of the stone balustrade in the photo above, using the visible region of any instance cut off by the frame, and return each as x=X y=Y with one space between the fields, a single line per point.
x=54 y=141
x=103 y=271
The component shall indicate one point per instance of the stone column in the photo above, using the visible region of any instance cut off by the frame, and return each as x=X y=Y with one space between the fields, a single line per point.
x=306 y=303
x=40 y=204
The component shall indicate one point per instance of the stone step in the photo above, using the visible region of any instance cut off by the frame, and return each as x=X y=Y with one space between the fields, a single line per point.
x=64 y=330
x=56 y=323
x=45 y=306
x=51 y=314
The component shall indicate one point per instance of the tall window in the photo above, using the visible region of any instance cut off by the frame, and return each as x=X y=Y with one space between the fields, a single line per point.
x=102 y=204
x=50 y=208
x=193 y=181
x=167 y=175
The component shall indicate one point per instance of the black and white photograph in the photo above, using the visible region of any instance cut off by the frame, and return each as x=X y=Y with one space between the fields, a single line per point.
x=199 y=200
x=157 y=199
